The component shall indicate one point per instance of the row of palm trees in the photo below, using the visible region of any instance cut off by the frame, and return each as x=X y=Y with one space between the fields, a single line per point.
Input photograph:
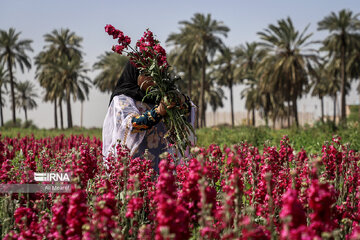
x=25 y=94
x=277 y=70
x=59 y=70
x=12 y=55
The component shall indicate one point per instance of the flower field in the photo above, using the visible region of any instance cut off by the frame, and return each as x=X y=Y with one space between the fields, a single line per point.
x=233 y=192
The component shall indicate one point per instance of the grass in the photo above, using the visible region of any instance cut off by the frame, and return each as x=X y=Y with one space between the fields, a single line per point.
x=41 y=133
x=309 y=138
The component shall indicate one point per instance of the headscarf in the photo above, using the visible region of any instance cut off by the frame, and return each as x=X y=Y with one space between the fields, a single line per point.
x=127 y=85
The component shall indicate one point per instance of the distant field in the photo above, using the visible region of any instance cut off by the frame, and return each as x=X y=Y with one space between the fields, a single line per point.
x=41 y=133
x=311 y=139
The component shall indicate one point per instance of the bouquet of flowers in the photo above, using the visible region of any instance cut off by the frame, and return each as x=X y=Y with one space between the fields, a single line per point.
x=150 y=58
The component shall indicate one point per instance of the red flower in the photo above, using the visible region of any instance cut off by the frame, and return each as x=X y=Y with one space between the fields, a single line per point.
x=118 y=49
x=134 y=204
x=109 y=29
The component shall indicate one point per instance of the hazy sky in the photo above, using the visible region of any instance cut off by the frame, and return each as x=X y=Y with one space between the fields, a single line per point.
x=34 y=18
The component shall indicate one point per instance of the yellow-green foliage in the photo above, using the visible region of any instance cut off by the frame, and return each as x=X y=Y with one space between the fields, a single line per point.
x=309 y=138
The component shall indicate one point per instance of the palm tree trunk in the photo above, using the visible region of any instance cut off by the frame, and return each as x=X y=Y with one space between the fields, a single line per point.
x=196 y=102
x=266 y=113
x=343 y=80
x=322 y=109
x=295 y=111
x=214 y=118
x=204 y=117
x=294 y=98
x=55 y=114
x=288 y=113
x=61 y=114
x=12 y=90
x=274 y=121
x=359 y=114
x=253 y=117
x=334 y=117
x=231 y=102
x=68 y=108
x=248 y=117
x=190 y=81
x=1 y=111
x=81 y=114
x=25 y=114
x=202 y=89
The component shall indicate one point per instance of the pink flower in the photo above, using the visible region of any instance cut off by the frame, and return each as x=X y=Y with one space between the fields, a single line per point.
x=170 y=215
x=118 y=49
x=109 y=29
x=293 y=208
x=321 y=198
x=134 y=205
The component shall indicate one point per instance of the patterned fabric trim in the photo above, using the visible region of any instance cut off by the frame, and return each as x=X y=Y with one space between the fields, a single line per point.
x=146 y=120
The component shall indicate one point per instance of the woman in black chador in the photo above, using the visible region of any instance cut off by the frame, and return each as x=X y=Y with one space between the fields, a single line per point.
x=136 y=123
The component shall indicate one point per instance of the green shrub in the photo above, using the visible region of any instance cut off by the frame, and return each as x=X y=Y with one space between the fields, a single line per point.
x=354 y=113
x=29 y=124
x=10 y=124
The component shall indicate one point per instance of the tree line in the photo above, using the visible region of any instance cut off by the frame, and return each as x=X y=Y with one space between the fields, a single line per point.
x=277 y=70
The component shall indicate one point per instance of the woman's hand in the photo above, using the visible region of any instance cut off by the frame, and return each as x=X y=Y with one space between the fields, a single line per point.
x=161 y=109
x=144 y=82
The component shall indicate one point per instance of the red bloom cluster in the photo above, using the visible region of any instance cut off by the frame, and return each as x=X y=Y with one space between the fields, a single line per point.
x=321 y=198
x=103 y=224
x=134 y=205
x=77 y=214
x=124 y=41
x=293 y=215
x=171 y=217
x=148 y=48
x=229 y=193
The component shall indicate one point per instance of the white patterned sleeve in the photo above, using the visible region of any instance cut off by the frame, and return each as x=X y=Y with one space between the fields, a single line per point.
x=117 y=126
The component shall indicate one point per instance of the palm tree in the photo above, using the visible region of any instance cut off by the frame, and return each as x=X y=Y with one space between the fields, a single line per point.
x=224 y=72
x=188 y=72
x=111 y=66
x=13 y=53
x=320 y=85
x=67 y=65
x=288 y=59
x=214 y=97
x=183 y=54
x=24 y=97
x=65 y=46
x=353 y=66
x=252 y=95
x=49 y=80
x=63 y=43
x=278 y=110
x=340 y=43
x=206 y=37
x=74 y=82
x=333 y=68
x=214 y=94
x=249 y=57
x=4 y=79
